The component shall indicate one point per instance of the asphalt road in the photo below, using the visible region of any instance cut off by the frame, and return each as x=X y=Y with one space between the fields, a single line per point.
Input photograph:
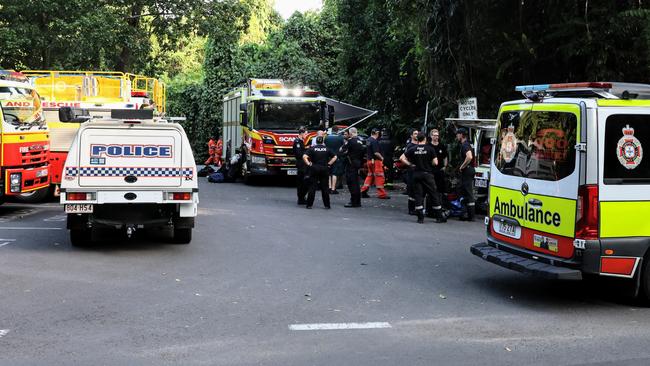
x=260 y=267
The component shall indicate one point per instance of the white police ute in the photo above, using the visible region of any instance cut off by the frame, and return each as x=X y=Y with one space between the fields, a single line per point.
x=129 y=172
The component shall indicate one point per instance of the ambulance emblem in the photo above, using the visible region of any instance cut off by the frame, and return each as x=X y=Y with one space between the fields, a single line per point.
x=629 y=149
x=509 y=145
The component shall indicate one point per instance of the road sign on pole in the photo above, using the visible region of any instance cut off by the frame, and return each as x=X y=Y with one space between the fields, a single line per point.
x=468 y=108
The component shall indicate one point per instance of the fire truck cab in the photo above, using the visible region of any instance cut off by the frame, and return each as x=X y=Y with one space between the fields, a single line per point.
x=261 y=120
x=24 y=138
x=569 y=183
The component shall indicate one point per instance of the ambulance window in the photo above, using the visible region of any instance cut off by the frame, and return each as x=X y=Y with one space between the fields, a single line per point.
x=536 y=144
x=625 y=137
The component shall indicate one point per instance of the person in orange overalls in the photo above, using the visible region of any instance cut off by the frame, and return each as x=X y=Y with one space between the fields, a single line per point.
x=375 y=167
x=215 y=149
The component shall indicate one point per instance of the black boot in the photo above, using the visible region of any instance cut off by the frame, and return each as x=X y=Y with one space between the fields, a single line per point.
x=469 y=213
x=440 y=216
x=420 y=216
x=411 y=207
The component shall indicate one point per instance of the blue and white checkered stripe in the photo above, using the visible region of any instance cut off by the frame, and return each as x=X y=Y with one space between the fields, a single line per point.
x=124 y=172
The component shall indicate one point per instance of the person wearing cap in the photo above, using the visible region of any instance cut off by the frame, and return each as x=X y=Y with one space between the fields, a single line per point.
x=467 y=173
x=352 y=151
x=298 y=152
x=375 y=163
x=319 y=159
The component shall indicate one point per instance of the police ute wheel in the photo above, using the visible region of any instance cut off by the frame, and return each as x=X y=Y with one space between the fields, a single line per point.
x=182 y=235
x=81 y=237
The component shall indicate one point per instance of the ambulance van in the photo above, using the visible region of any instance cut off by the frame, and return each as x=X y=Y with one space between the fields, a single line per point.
x=129 y=172
x=570 y=188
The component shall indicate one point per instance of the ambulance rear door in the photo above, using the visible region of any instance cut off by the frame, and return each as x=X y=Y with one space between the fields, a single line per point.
x=535 y=177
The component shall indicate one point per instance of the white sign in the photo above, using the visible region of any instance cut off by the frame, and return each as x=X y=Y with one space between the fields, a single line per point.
x=468 y=108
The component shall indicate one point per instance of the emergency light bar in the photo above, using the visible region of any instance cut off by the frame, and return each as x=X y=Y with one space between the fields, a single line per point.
x=287 y=92
x=607 y=90
x=13 y=76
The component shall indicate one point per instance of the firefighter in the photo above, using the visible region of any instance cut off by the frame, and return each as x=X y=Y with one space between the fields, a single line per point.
x=408 y=177
x=319 y=159
x=375 y=164
x=387 y=148
x=215 y=150
x=353 y=151
x=421 y=159
x=466 y=174
x=438 y=170
x=298 y=152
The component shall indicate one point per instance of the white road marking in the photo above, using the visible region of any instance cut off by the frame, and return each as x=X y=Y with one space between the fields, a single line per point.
x=3 y=332
x=29 y=228
x=57 y=218
x=4 y=242
x=339 y=326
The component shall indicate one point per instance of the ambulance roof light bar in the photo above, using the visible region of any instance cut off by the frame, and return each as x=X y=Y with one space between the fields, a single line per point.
x=11 y=75
x=608 y=90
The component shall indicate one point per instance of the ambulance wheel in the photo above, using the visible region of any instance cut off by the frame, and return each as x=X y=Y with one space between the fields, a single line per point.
x=182 y=235
x=34 y=197
x=644 y=291
x=81 y=237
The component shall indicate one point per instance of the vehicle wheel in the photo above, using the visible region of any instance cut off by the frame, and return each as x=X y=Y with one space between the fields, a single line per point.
x=182 y=235
x=81 y=237
x=34 y=197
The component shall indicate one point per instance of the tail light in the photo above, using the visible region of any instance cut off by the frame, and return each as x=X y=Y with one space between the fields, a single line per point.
x=79 y=196
x=180 y=196
x=587 y=226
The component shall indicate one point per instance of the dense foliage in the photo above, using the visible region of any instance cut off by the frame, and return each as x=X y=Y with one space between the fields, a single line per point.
x=389 y=55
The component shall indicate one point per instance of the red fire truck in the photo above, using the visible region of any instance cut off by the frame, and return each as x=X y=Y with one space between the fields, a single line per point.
x=24 y=138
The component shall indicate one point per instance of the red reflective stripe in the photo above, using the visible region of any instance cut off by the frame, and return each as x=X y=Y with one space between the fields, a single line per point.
x=616 y=265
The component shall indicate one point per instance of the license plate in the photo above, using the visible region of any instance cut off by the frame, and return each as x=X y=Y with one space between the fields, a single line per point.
x=78 y=209
x=480 y=183
x=543 y=242
x=292 y=172
x=507 y=229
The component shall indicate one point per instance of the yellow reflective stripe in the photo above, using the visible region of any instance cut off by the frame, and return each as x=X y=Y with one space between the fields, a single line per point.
x=623 y=103
x=624 y=219
x=17 y=138
x=516 y=107
x=512 y=203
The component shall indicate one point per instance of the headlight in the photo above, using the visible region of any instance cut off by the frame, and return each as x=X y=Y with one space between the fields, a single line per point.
x=257 y=159
x=15 y=182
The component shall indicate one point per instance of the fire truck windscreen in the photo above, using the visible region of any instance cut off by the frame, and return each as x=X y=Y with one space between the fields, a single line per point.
x=21 y=106
x=287 y=116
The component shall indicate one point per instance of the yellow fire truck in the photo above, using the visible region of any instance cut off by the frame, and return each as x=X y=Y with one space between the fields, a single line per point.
x=94 y=91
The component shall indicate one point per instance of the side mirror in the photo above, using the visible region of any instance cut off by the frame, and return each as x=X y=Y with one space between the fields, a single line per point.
x=243 y=107
x=244 y=119
x=69 y=114
x=330 y=115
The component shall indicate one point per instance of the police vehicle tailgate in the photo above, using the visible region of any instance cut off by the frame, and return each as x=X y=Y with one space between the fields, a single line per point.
x=138 y=157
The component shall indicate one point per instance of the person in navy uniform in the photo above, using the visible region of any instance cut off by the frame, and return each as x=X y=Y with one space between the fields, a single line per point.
x=319 y=159
x=438 y=170
x=352 y=151
x=467 y=173
x=421 y=158
x=298 y=152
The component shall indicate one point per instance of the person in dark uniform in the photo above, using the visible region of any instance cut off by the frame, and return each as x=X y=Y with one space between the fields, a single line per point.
x=466 y=174
x=353 y=151
x=319 y=159
x=387 y=149
x=334 y=141
x=298 y=152
x=408 y=177
x=438 y=170
x=421 y=158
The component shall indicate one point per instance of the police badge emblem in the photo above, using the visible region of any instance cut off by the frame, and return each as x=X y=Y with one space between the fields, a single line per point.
x=629 y=149
x=509 y=145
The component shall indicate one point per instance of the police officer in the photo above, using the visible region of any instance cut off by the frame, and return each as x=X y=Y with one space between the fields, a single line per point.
x=408 y=177
x=319 y=159
x=298 y=152
x=438 y=170
x=466 y=174
x=353 y=151
x=421 y=158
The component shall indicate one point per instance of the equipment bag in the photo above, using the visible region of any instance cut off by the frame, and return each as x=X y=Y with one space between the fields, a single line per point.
x=205 y=171
x=216 y=178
